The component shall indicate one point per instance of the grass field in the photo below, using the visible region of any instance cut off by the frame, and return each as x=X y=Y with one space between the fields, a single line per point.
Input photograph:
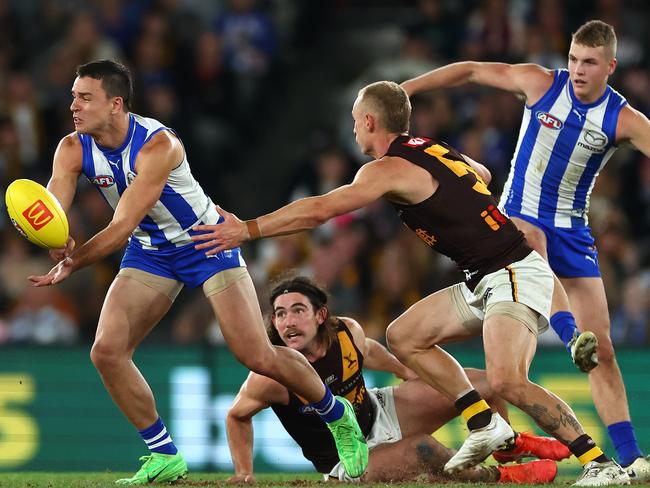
x=106 y=480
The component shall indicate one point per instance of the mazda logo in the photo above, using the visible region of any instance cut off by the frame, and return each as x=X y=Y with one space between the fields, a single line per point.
x=595 y=138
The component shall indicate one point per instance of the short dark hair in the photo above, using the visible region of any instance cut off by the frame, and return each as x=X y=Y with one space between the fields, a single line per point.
x=316 y=295
x=596 y=33
x=115 y=77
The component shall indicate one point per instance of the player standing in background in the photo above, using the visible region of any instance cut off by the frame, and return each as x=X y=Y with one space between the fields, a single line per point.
x=141 y=169
x=573 y=122
x=396 y=420
x=442 y=196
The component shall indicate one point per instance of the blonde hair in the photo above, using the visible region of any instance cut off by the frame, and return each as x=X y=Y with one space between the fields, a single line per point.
x=596 y=33
x=390 y=103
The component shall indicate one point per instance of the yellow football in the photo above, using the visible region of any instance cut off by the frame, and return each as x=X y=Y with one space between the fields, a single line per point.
x=37 y=214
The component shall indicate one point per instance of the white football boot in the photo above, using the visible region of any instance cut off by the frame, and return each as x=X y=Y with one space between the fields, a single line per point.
x=639 y=470
x=602 y=474
x=480 y=443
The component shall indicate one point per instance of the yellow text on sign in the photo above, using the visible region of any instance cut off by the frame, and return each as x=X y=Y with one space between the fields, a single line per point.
x=18 y=430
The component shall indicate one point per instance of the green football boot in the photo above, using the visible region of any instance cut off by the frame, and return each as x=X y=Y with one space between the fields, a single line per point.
x=350 y=443
x=158 y=468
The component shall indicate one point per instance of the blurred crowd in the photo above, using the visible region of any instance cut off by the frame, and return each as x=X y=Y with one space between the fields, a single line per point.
x=260 y=93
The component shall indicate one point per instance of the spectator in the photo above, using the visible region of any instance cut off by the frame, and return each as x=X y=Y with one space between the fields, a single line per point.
x=250 y=46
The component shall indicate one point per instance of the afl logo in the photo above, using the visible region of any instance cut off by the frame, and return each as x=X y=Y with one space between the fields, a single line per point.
x=103 y=181
x=548 y=120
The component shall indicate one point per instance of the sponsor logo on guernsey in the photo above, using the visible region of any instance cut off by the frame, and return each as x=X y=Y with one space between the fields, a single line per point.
x=493 y=217
x=578 y=212
x=428 y=239
x=593 y=141
x=103 y=181
x=416 y=141
x=548 y=120
x=350 y=361
x=38 y=215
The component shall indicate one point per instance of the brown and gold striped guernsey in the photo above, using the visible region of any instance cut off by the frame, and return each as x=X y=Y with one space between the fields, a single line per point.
x=461 y=219
x=340 y=369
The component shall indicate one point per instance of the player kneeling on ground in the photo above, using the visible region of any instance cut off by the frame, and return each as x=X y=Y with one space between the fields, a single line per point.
x=397 y=420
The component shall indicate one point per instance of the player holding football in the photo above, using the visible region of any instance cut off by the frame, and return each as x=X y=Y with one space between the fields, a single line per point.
x=397 y=421
x=141 y=169
x=442 y=196
x=572 y=124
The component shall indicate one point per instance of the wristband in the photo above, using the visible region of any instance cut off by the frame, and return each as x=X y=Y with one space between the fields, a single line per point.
x=253 y=228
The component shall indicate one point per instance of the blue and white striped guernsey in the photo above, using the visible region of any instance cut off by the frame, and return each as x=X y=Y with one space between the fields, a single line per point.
x=182 y=203
x=563 y=144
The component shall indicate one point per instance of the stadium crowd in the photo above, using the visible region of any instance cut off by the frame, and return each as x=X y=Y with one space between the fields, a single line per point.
x=260 y=92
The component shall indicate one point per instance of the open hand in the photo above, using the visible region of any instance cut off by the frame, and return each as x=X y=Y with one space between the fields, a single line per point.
x=56 y=275
x=218 y=237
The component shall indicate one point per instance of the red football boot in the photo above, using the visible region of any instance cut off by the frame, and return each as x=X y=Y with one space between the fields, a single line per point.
x=530 y=445
x=541 y=471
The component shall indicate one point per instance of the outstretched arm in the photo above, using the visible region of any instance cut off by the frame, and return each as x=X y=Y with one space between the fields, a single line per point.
x=373 y=180
x=376 y=356
x=530 y=80
x=256 y=394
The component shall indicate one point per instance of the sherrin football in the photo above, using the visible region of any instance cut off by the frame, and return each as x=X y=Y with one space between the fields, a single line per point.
x=37 y=214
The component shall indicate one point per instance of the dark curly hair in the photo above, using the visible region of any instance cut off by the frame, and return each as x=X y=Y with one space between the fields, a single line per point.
x=316 y=295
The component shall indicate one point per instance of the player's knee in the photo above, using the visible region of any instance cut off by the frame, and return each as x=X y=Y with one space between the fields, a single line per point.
x=606 y=354
x=509 y=387
x=104 y=356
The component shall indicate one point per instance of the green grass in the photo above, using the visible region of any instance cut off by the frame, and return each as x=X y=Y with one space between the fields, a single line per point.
x=106 y=480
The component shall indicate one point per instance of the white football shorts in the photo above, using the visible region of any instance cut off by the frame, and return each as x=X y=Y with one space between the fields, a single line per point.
x=528 y=282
